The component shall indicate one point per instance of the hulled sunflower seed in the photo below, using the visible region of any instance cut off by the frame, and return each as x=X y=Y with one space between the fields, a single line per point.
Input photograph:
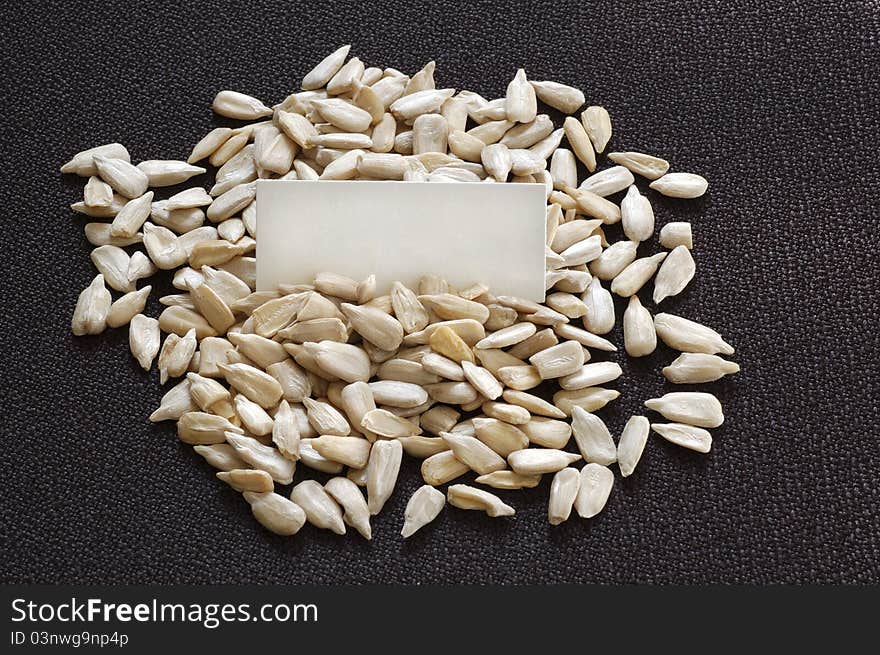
x=637 y=216
x=376 y=326
x=558 y=361
x=108 y=211
x=547 y=432
x=441 y=468
x=163 y=247
x=592 y=437
x=526 y=135
x=257 y=385
x=614 y=259
x=482 y=380
x=276 y=513
x=166 y=172
x=143 y=339
x=676 y=234
x=350 y=451
x=466 y=497
x=645 y=165
x=382 y=470
x=691 y=407
x=474 y=453
x=83 y=163
x=98 y=234
x=689 y=336
x=597 y=124
x=253 y=417
x=563 y=492
x=590 y=399
x=113 y=262
x=537 y=461
x=599 y=318
x=686 y=436
x=509 y=480
x=123 y=310
x=512 y=414
x=422 y=508
x=247 y=480
x=520 y=105
x=233 y=104
x=632 y=443
x=221 y=456
x=97 y=193
x=92 y=308
x=580 y=143
x=675 y=273
x=314 y=460
x=609 y=181
x=205 y=429
x=262 y=457
x=126 y=179
x=591 y=375
x=680 y=185
x=566 y=99
x=326 y=69
x=639 y=336
x=636 y=275
x=595 y=488
x=694 y=368
x=531 y=403
x=346 y=493
x=320 y=508
x=176 y=402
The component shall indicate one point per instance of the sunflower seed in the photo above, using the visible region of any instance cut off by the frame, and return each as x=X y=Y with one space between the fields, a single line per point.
x=582 y=251
x=584 y=337
x=320 y=508
x=537 y=461
x=233 y=104
x=98 y=234
x=231 y=202
x=686 y=436
x=595 y=487
x=520 y=104
x=97 y=193
x=143 y=339
x=127 y=307
x=690 y=407
x=166 y=172
x=221 y=456
x=614 y=259
x=465 y=145
x=346 y=493
x=467 y=497
x=441 y=468
x=563 y=168
x=209 y=144
x=311 y=458
x=676 y=234
x=398 y=394
x=257 y=385
x=539 y=341
x=589 y=399
x=636 y=275
x=83 y=163
x=127 y=180
x=566 y=99
x=689 y=336
x=558 y=361
x=632 y=443
x=597 y=124
x=610 y=181
x=422 y=508
x=637 y=216
x=253 y=417
x=252 y=480
x=639 y=336
x=563 y=492
x=482 y=380
x=591 y=375
x=594 y=206
x=645 y=165
x=532 y=403
x=382 y=470
x=321 y=74
x=496 y=160
x=276 y=513
x=580 y=142
x=694 y=368
x=109 y=211
x=679 y=185
x=599 y=318
x=474 y=453
x=675 y=273
x=262 y=457
x=520 y=378
x=501 y=437
x=342 y=360
x=547 y=432
x=205 y=429
x=176 y=402
x=163 y=247
x=509 y=480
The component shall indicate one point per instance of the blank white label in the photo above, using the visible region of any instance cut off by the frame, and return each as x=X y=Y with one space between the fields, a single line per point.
x=464 y=232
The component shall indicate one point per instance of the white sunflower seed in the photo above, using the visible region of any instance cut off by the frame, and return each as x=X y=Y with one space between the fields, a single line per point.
x=127 y=180
x=167 y=172
x=97 y=193
x=647 y=166
x=382 y=470
x=636 y=275
x=592 y=437
x=222 y=456
x=257 y=385
x=680 y=185
x=83 y=163
x=591 y=375
x=675 y=273
x=311 y=458
x=276 y=513
x=350 y=451
x=689 y=336
x=252 y=480
x=123 y=310
x=209 y=144
x=526 y=135
x=563 y=168
x=474 y=453
x=639 y=336
x=547 y=432
x=98 y=234
x=589 y=399
x=113 y=262
x=520 y=104
x=509 y=480
x=467 y=497
x=346 y=493
x=558 y=361
x=563 y=492
x=614 y=259
x=326 y=69
x=537 y=461
x=441 y=468
x=320 y=508
x=599 y=318
x=580 y=142
x=632 y=443
x=398 y=394
x=597 y=124
x=233 y=104
x=686 y=436
x=695 y=368
x=176 y=402
x=422 y=508
x=92 y=307
x=610 y=181
x=637 y=216
x=326 y=419
x=202 y=428
x=691 y=407
x=262 y=457
x=676 y=234
x=140 y=266
x=109 y=211
x=595 y=488
x=143 y=339
x=566 y=99
x=163 y=247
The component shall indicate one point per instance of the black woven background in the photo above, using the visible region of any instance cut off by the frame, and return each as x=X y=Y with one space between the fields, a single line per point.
x=775 y=106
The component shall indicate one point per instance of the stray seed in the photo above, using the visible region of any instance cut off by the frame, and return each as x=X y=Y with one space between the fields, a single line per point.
x=595 y=487
x=675 y=273
x=632 y=443
x=686 y=436
x=680 y=185
x=689 y=336
x=466 y=497
x=563 y=492
x=382 y=470
x=320 y=508
x=597 y=124
x=423 y=507
x=690 y=407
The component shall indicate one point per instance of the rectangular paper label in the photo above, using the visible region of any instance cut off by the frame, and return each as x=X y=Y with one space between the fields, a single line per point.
x=464 y=232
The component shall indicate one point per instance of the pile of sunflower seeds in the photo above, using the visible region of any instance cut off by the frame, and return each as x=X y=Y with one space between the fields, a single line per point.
x=342 y=377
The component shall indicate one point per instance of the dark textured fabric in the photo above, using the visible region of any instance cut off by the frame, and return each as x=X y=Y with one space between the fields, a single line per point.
x=775 y=103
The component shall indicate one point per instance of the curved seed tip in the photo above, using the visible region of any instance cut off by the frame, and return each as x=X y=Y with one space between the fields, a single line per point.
x=654 y=403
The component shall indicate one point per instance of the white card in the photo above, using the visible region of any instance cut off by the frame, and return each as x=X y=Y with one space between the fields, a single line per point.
x=465 y=232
